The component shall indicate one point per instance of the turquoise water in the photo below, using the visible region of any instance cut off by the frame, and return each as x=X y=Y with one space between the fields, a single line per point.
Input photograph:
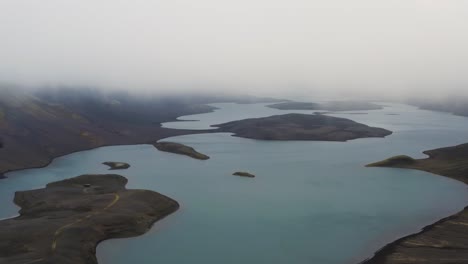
x=311 y=202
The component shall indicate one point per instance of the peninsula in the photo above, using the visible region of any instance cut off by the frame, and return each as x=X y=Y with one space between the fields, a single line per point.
x=64 y=222
x=113 y=165
x=301 y=127
x=181 y=149
x=327 y=106
x=445 y=241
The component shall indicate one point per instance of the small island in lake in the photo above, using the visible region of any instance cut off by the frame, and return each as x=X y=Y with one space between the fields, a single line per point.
x=327 y=106
x=301 y=127
x=445 y=241
x=64 y=222
x=181 y=149
x=116 y=165
x=243 y=174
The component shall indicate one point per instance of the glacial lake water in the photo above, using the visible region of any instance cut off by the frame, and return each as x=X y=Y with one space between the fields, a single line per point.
x=311 y=202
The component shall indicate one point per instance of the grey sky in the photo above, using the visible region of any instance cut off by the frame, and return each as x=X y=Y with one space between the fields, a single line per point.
x=346 y=46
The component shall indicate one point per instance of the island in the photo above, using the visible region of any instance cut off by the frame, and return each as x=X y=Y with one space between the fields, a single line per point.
x=181 y=149
x=113 y=165
x=328 y=106
x=445 y=241
x=243 y=174
x=301 y=127
x=64 y=222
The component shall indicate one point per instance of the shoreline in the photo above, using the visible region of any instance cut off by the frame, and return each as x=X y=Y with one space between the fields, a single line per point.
x=379 y=255
x=443 y=235
x=4 y=174
x=387 y=249
x=68 y=210
x=375 y=258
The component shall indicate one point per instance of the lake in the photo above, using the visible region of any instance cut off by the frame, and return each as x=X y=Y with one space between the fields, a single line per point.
x=311 y=202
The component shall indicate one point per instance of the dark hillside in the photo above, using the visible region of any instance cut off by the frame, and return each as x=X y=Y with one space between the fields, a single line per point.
x=36 y=128
x=454 y=105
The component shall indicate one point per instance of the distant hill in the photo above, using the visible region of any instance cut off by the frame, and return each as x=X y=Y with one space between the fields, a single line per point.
x=454 y=105
x=37 y=127
x=328 y=106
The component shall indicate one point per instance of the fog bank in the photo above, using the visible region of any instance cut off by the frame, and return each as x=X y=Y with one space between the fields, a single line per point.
x=266 y=47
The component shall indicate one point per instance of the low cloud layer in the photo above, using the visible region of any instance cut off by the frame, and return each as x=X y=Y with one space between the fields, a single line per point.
x=398 y=47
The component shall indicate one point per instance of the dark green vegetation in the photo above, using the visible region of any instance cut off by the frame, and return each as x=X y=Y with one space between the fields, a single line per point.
x=181 y=149
x=301 y=127
x=243 y=174
x=328 y=106
x=37 y=127
x=64 y=222
x=116 y=165
x=444 y=242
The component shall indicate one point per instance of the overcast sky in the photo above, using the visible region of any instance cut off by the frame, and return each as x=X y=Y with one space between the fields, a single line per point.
x=345 y=46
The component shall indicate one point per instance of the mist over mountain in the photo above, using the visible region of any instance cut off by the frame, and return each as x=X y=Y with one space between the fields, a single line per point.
x=298 y=79
x=38 y=125
x=455 y=105
x=111 y=71
x=400 y=48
